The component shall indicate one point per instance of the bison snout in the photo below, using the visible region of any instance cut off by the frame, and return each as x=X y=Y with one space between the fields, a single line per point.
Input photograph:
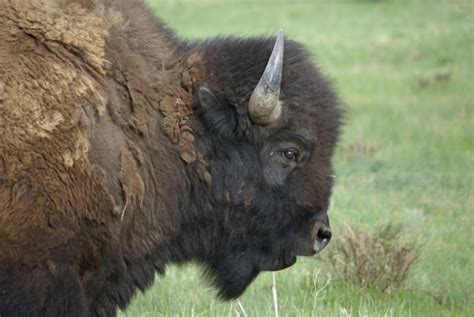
x=323 y=235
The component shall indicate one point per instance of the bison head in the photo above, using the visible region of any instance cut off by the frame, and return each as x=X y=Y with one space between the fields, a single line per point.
x=267 y=125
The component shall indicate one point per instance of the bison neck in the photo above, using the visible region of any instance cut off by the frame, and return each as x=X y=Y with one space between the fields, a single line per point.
x=138 y=146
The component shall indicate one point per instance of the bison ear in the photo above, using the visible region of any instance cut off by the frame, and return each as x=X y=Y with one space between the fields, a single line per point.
x=218 y=115
x=207 y=98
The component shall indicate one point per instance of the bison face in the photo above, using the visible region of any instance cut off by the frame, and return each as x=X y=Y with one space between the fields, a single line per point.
x=271 y=168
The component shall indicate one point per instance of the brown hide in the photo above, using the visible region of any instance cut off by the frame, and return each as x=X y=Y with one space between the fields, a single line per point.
x=82 y=89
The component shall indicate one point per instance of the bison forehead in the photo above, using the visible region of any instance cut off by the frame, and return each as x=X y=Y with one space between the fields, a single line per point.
x=310 y=106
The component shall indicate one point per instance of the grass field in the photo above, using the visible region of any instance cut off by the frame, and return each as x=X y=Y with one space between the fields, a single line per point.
x=405 y=71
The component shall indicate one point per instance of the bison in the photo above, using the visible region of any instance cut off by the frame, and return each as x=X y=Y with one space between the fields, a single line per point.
x=124 y=148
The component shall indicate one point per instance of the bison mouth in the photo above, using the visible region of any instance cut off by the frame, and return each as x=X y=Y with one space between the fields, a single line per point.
x=232 y=272
x=278 y=264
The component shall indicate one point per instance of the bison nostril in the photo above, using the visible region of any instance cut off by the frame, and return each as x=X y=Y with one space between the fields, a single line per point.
x=322 y=238
x=324 y=234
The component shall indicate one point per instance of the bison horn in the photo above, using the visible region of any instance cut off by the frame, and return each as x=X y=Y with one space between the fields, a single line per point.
x=264 y=106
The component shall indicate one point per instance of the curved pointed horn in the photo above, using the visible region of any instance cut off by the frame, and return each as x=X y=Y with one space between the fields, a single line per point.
x=264 y=106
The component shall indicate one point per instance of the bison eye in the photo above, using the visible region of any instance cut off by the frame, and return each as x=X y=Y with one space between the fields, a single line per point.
x=291 y=154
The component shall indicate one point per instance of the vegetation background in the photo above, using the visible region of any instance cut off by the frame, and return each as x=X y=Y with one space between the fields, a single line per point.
x=405 y=70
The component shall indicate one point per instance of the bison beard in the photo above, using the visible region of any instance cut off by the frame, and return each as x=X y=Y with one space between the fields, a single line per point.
x=124 y=148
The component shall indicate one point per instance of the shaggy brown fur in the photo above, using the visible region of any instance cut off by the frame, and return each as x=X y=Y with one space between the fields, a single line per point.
x=79 y=97
x=98 y=139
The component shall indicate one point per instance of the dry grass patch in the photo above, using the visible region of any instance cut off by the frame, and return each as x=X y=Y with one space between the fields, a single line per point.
x=381 y=259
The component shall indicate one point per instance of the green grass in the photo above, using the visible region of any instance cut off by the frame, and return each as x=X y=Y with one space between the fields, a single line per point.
x=405 y=71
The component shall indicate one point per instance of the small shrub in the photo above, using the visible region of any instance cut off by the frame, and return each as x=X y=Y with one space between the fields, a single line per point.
x=381 y=259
